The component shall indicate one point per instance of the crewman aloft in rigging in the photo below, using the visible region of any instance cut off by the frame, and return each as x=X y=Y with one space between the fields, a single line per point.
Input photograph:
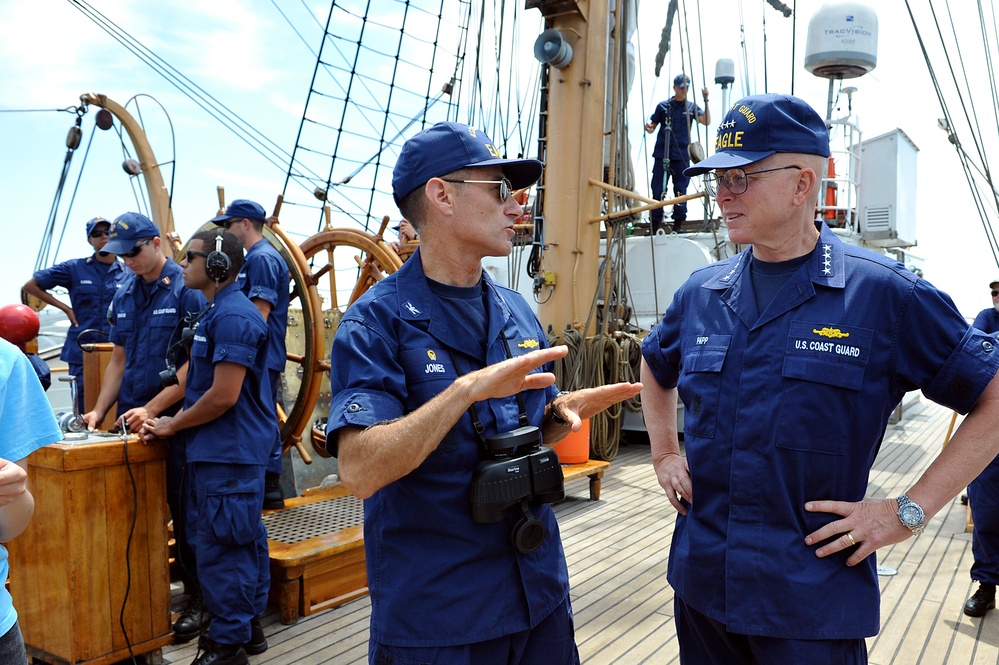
x=674 y=118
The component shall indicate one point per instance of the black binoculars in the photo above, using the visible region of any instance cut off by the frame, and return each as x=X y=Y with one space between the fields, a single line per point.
x=519 y=471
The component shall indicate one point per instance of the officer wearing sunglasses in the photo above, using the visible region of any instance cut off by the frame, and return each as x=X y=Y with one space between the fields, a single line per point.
x=429 y=359
x=91 y=283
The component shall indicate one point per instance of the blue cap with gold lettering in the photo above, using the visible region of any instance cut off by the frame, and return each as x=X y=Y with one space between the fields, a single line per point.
x=761 y=125
x=447 y=147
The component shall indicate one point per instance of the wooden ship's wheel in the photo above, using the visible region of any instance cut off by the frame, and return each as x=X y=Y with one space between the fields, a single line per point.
x=339 y=265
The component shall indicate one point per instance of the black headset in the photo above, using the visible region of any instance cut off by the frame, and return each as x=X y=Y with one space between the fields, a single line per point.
x=217 y=264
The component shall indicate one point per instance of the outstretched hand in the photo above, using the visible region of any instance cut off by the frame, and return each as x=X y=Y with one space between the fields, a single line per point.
x=512 y=376
x=866 y=526
x=579 y=405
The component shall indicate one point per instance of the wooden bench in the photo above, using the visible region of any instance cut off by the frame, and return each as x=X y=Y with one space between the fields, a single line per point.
x=317 y=546
x=593 y=469
x=317 y=552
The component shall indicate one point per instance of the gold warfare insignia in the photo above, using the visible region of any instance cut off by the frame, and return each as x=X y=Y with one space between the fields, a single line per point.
x=431 y=354
x=529 y=344
x=831 y=333
x=166 y=281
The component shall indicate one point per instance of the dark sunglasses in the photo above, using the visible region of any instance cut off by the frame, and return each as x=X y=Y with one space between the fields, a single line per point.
x=189 y=257
x=134 y=252
x=229 y=222
x=995 y=293
x=100 y=234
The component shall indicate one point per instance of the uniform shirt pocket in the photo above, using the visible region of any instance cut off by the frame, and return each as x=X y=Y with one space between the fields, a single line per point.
x=823 y=377
x=428 y=373
x=700 y=382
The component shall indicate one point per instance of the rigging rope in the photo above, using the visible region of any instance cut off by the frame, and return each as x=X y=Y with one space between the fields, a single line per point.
x=963 y=157
x=72 y=143
x=72 y=199
x=241 y=128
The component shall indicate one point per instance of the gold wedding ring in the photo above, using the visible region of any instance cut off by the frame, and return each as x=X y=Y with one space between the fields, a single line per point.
x=850 y=536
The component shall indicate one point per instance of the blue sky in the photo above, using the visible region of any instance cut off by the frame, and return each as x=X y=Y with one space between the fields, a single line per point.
x=245 y=54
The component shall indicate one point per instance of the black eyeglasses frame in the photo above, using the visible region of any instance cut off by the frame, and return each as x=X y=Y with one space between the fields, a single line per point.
x=711 y=180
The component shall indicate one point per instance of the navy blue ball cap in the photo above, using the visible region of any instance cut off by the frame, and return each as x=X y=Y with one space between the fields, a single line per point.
x=241 y=209
x=762 y=125
x=126 y=230
x=447 y=147
x=92 y=224
x=681 y=81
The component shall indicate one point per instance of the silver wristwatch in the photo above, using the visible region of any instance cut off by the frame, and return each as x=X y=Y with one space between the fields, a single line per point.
x=911 y=514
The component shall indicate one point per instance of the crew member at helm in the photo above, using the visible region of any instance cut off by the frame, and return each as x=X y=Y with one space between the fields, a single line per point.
x=229 y=427
x=265 y=280
x=149 y=313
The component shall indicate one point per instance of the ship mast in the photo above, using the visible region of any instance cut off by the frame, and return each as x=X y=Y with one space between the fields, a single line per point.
x=574 y=143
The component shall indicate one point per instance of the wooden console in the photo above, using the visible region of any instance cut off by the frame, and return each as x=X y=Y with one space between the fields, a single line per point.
x=68 y=570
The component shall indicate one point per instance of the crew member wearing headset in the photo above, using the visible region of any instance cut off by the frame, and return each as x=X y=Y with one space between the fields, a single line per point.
x=91 y=283
x=148 y=314
x=265 y=281
x=228 y=424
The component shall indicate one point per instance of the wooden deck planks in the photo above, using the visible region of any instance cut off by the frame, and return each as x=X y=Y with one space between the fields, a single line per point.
x=617 y=549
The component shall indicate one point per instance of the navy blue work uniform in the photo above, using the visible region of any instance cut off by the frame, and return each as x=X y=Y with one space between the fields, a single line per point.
x=226 y=459
x=147 y=318
x=265 y=276
x=674 y=119
x=983 y=494
x=791 y=405
x=91 y=286
x=436 y=577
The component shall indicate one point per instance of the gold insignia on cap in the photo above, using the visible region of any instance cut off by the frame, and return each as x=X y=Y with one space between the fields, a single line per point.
x=431 y=354
x=831 y=333
x=529 y=344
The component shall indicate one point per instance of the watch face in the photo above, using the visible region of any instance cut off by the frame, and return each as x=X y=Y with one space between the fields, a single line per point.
x=910 y=514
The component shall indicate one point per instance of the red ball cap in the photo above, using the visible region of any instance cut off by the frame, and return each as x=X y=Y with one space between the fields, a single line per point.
x=18 y=324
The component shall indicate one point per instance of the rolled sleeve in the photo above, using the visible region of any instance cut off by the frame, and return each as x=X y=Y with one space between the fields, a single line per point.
x=362 y=408
x=57 y=275
x=938 y=352
x=263 y=275
x=367 y=382
x=967 y=372
x=661 y=347
x=263 y=293
x=235 y=352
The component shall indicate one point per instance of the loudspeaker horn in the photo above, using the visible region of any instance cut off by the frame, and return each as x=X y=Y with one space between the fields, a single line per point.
x=550 y=48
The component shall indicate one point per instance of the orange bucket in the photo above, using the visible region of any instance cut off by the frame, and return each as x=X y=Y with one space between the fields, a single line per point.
x=575 y=448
